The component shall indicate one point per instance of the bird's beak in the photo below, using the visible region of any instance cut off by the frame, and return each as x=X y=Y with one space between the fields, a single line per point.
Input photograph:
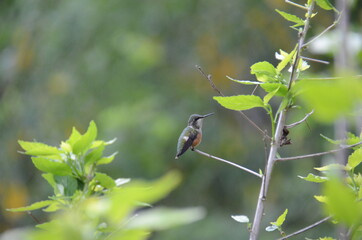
x=209 y=114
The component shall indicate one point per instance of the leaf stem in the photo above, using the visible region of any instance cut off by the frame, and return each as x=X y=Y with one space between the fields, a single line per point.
x=270 y=112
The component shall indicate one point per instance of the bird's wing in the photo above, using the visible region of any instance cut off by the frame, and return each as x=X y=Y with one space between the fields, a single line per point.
x=185 y=142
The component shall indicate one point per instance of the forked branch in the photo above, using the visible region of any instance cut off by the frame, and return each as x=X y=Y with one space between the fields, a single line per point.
x=209 y=78
x=324 y=31
x=259 y=212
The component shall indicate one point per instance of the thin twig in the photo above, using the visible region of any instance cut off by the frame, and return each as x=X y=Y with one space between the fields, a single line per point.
x=306 y=228
x=317 y=154
x=33 y=217
x=209 y=78
x=314 y=60
x=299 y=122
x=296 y=4
x=324 y=31
x=228 y=162
x=256 y=87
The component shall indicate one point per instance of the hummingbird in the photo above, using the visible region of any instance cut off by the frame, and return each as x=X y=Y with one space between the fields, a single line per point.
x=191 y=135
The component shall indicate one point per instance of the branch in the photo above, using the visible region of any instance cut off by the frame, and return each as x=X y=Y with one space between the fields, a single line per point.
x=259 y=212
x=314 y=60
x=299 y=122
x=324 y=31
x=33 y=217
x=209 y=78
x=318 y=154
x=296 y=4
x=228 y=162
x=306 y=228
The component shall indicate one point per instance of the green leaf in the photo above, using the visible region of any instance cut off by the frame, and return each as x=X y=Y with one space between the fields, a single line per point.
x=125 y=198
x=107 y=160
x=314 y=178
x=355 y=158
x=240 y=102
x=66 y=147
x=331 y=167
x=37 y=148
x=69 y=183
x=264 y=72
x=269 y=96
x=105 y=180
x=331 y=99
x=341 y=203
x=162 y=218
x=282 y=90
x=271 y=228
x=325 y=4
x=240 y=218
x=94 y=155
x=53 y=207
x=286 y=59
x=85 y=141
x=98 y=143
x=353 y=139
x=280 y=219
x=74 y=137
x=291 y=18
x=32 y=207
x=49 y=226
x=50 y=179
x=246 y=82
x=53 y=166
x=322 y=199
x=62 y=185
x=303 y=65
x=331 y=140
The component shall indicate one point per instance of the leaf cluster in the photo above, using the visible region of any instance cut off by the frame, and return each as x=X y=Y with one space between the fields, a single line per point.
x=277 y=225
x=93 y=204
x=274 y=83
x=342 y=188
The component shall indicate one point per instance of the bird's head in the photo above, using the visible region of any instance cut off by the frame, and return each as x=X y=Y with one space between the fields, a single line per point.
x=195 y=120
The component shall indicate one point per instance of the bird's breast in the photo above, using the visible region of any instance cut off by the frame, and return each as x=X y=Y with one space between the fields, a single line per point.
x=197 y=139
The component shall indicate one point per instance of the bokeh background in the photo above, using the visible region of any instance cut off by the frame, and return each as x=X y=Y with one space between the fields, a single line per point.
x=130 y=66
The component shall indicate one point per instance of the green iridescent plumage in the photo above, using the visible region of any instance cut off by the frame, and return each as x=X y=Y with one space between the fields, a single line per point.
x=191 y=135
x=186 y=139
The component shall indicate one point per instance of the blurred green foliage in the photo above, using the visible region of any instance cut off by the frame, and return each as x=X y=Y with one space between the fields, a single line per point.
x=342 y=189
x=130 y=66
x=94 y=205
